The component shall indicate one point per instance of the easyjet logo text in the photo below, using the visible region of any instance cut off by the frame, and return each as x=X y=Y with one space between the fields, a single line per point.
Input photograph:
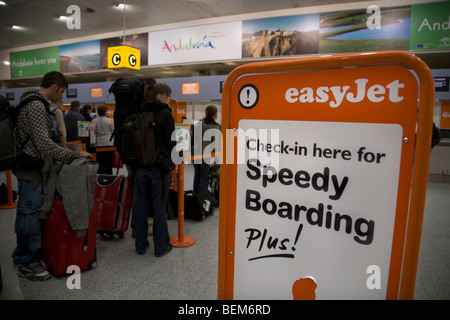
x=355 y=92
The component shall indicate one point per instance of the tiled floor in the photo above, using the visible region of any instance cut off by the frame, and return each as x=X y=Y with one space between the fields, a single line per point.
x=191 y=273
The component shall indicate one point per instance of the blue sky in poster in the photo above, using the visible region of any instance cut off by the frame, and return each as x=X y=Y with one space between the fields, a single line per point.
x=80 y=49
x=307 y=22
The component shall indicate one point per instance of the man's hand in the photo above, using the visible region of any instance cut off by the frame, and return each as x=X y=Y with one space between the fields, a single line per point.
x=85 y=154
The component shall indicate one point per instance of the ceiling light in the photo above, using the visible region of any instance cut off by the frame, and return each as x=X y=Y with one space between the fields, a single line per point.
x=2 y=3
x=119 y=6
x=123 y=6
x=6 y=62
x=12 y=26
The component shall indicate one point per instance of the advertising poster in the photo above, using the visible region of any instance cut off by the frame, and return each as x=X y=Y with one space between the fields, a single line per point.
x=280 y=36
x=430 y=26
x=33 y=63
x=80 y=57
x=202 y=43
x=355 y=31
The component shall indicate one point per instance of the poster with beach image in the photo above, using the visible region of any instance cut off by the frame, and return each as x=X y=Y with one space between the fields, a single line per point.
x=348 y=31
x=80 y=57
x=280 y=36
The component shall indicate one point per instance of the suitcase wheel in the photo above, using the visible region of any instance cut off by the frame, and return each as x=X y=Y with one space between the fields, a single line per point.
x=93 y=264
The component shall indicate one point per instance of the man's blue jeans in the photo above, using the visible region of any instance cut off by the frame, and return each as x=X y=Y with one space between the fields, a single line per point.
x=28 y=225
x=151 y=188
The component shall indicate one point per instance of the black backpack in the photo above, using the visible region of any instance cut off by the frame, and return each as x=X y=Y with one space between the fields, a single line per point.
x=9 y=150
x=128 y=95
x=138 y=139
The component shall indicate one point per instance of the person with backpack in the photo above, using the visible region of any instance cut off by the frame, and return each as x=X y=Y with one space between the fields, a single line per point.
x=59 y=134
x=153 y=180
x=38 y=151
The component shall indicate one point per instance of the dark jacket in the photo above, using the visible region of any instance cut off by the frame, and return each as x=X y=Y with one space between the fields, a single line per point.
x=71 y=121
x=165 y=126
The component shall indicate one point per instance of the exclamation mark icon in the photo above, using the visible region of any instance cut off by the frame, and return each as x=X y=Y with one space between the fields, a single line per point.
x=248 y=96
x=299 y=231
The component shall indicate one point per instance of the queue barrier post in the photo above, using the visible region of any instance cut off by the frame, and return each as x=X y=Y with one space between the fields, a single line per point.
x=181 y=240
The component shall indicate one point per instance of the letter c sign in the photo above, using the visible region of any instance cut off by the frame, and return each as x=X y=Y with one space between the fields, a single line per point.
x=124 y=57
x=132 y=60
x=116 y=59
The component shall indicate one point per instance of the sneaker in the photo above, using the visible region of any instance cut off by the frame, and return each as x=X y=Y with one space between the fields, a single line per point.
x=34 y=272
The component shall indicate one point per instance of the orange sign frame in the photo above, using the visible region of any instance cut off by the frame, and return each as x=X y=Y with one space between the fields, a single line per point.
x=445 y=115
x=416 y=123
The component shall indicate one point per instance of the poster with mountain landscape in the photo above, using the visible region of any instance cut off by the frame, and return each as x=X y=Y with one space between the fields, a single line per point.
x=349 y=31
x=280 y=36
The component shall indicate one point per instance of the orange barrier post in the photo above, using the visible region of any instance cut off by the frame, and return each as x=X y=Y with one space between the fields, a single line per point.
x=181 y=241
x=11 y=204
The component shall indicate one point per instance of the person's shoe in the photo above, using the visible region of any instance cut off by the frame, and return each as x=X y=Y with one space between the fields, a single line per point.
x=34 y=272
x=169 y=248
x=142 y=251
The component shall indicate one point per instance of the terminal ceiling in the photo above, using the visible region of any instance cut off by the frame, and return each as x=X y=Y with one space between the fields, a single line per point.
x=40 y=23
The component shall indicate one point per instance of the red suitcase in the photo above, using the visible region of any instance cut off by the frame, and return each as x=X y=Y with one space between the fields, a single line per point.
x=62 y=248
x=113 y=202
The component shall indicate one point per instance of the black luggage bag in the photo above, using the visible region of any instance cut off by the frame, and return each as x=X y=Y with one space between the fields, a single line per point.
x=197 y=206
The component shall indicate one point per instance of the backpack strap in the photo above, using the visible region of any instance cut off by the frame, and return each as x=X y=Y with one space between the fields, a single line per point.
x=16 y=110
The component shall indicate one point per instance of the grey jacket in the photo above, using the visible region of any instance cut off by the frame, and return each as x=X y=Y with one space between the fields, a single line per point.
x=75 y=183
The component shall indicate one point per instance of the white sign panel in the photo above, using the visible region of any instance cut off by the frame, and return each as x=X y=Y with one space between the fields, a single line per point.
x=202 y=43
x=183 y=137
x=326 y=212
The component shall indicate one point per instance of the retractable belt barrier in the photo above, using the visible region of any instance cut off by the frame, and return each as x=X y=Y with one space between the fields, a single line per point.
x=182 y=240
x=101 y=149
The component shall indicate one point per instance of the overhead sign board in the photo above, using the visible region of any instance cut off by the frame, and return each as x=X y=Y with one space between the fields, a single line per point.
x=36 y=62
x=124 y=57
x=319 y=185
x=200 y=43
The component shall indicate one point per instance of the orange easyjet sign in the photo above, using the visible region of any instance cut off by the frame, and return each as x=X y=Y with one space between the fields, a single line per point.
x=316 y=189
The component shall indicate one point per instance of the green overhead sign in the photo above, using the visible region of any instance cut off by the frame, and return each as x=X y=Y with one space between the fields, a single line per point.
x=33 y=63
x=430 y=26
